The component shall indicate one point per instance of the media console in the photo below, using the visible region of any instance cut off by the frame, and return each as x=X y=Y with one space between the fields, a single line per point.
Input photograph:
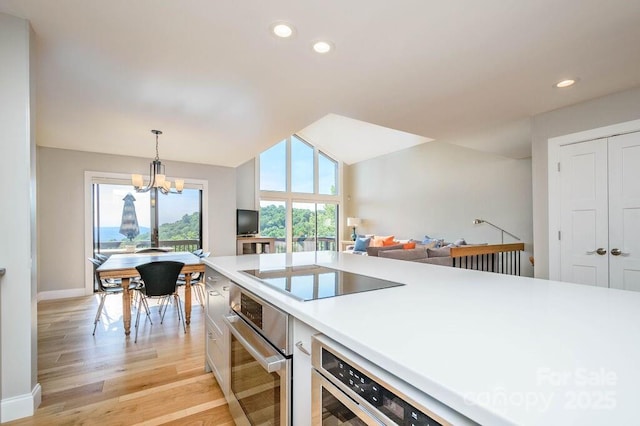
x=255 y=245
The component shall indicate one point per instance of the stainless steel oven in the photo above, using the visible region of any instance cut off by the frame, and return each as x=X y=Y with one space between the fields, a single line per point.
x=260 y=360
x=349 y=390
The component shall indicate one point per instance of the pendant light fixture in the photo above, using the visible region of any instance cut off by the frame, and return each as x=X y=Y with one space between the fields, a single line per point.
x=157 y=177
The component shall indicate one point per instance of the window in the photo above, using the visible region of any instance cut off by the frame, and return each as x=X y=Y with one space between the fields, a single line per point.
x=304 y=227
x=104 y=204
x=273 y=169
x=273 y=221
x=301 y=166
x=108 y=208
x=179 y=219
x=299 y=196
x=314 y=227
x=327 y=175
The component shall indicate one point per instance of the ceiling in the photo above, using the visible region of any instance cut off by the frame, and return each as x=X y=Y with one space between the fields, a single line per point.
x=222 y=88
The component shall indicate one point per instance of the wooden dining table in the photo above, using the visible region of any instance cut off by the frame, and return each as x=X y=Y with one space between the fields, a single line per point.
x=123 y=266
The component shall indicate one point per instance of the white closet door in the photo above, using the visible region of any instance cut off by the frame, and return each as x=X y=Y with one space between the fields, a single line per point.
x=584 y=207
x=624 y=211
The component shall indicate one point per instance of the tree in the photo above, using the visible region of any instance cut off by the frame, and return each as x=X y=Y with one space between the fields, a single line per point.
x=272 y=221
x=186 y=228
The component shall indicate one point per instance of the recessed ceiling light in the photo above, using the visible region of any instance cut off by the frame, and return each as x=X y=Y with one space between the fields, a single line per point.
x=322 y=46
x=282 y=29
x=565 y=83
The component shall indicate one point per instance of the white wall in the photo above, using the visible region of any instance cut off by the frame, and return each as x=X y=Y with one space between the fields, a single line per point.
x=61 y=192
x=246 y=185
x=438 y=189
x=20 y=392
x=611 y=109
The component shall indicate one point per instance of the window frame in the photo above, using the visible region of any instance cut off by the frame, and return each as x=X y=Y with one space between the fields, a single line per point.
x=289 y=198
x=93 y=177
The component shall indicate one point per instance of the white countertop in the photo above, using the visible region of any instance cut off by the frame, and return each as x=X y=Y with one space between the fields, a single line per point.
x=498 y=349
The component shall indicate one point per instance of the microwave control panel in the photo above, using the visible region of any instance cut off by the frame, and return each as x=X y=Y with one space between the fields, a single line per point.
x=388 y=403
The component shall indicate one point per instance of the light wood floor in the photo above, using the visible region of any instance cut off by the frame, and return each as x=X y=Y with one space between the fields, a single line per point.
x=107 y=379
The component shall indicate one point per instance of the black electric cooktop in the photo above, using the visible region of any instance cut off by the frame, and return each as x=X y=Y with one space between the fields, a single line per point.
x=311 y=282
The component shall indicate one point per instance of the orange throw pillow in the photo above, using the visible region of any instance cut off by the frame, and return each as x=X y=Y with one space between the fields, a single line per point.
x=381 y=241
x=409 y=246
x=388 y=241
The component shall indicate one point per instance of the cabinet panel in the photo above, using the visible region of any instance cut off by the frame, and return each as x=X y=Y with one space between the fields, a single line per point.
x=302 y=373
x=215 y=354
x=217 y=296
x=217 y=335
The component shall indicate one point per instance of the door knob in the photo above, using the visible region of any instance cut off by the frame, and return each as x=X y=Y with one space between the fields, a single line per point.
x=600 y=251
x=618 y=252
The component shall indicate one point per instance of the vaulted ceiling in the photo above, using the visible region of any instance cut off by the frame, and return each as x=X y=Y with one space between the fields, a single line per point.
x=222 y=88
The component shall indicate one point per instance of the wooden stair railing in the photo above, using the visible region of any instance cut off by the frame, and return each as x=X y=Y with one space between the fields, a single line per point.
x=499 y=258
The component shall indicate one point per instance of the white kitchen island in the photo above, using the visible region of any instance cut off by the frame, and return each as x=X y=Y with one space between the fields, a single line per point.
x=498 y=349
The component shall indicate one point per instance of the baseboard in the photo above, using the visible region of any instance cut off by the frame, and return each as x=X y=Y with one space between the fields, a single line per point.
x=21 y=406
x=61 y=294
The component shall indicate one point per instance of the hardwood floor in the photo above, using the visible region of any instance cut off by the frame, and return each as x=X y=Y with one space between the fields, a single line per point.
x=107 y=379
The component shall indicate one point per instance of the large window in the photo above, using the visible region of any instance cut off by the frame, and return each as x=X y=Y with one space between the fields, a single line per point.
x=122 y=219
x=302 y=169
x=314 y=226
x=299 y=196
x=327 y=175
x=273 y=169
x=180 y=219
x=273 y=220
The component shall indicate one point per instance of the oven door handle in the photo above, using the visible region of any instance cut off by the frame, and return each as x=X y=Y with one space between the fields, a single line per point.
x=272 y=361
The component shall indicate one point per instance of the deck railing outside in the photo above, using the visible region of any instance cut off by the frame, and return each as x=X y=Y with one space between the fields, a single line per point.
x=299 y=244
x=307 y=244
x=499 y=258
x=113 y=247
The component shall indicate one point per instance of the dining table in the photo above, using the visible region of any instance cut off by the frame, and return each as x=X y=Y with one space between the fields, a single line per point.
x=123 y=267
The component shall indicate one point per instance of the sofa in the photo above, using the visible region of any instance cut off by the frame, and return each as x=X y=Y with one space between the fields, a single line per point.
x=430 y=250
x=422 y=254
x=498 y=258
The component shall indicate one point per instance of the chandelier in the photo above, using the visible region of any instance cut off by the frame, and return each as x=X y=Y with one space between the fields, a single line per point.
x=157 y=177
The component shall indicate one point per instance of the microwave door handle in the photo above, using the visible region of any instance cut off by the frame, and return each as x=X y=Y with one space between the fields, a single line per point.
x=271 y=364
x=318 y=380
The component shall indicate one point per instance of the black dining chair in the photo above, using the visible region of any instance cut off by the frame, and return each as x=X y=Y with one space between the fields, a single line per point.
x=160 y=282
x=106 y=287
x=153 y=250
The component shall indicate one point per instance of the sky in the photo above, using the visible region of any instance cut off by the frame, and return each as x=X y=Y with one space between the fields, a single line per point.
x=172 y=207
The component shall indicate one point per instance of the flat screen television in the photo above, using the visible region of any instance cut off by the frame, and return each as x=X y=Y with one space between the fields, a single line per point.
x=247 y=222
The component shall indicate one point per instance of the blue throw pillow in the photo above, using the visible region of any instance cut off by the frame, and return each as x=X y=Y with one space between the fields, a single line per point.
x=362 y=244
x=427 y=240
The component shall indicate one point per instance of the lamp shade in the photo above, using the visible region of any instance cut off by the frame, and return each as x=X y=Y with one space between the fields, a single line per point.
x=136 y=180
x=353 y=221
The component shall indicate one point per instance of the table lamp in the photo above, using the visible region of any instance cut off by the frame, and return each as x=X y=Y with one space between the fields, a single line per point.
x=353 y=222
